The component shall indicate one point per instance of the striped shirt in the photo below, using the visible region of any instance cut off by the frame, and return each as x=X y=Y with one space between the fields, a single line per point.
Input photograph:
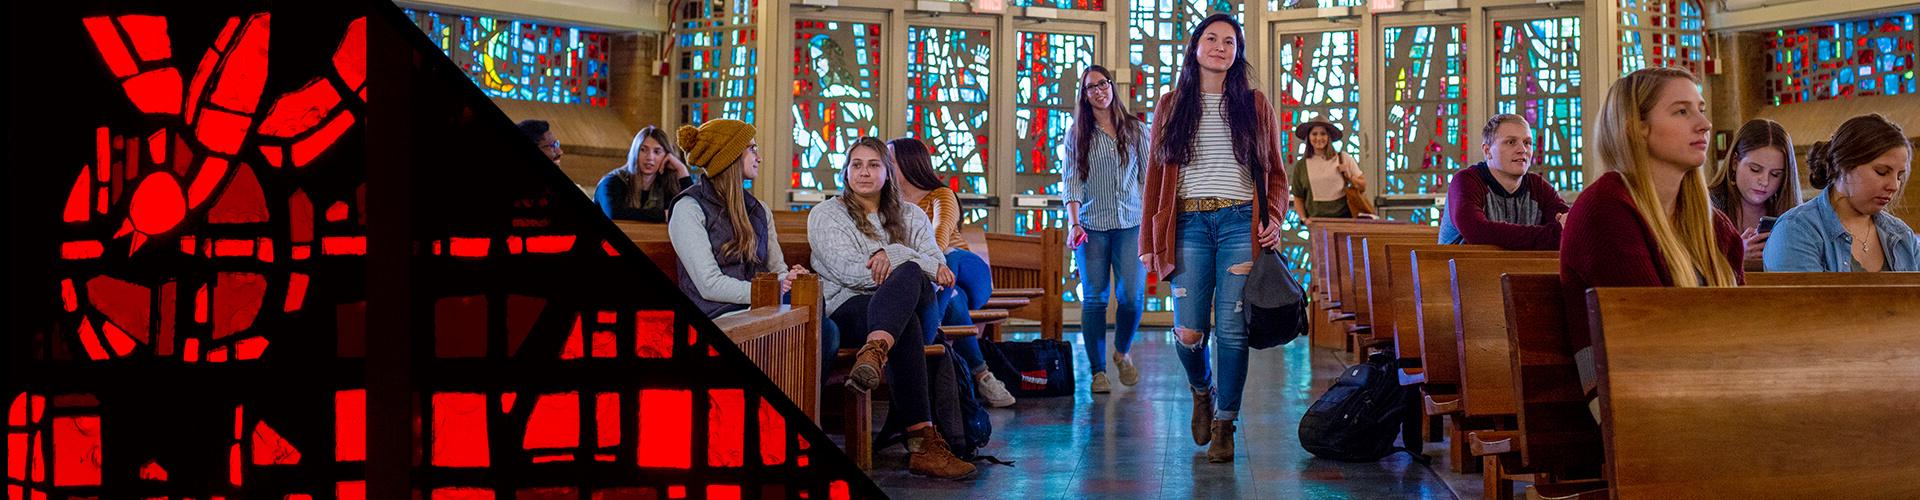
x=1211 y=170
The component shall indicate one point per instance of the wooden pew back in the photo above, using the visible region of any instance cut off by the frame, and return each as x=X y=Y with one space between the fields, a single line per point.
x=1340 y=257
x=1827 y=377
x=1433 y=317
x=1557 y=432
x=1320 y=247
x=1369 y=275
x=783 y=340
x=1403 y=321
x=1832 y=279
x=1032 y=261
x=1480 y=325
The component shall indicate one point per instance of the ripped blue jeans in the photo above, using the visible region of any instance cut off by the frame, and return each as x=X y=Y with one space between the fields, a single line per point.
x=1206 y=299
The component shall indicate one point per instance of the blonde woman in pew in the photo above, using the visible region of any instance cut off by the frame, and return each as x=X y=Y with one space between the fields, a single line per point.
x=878 y=266
x=722 y=235
x=1498 y=201
x=1647 y=221
x=1758 y=180
x=1847 y=228
x=1106 y=154
x=1215 y=147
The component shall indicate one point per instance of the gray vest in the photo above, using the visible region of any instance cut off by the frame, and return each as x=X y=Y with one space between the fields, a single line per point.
x=720 y=230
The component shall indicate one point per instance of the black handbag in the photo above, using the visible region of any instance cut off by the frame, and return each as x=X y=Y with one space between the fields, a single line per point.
x=1039 y=368
x=1273 y=302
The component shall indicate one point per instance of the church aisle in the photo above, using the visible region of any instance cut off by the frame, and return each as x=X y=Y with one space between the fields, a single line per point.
x=1134 y=442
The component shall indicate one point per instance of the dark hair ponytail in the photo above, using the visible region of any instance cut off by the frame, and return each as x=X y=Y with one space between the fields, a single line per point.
x=1858 y=141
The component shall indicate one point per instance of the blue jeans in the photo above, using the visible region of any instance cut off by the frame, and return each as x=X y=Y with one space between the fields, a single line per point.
x=1108 y=254
x=973 y=284
x=1206 y=299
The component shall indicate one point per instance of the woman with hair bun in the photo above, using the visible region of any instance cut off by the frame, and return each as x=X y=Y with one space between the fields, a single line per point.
x=1847 y=228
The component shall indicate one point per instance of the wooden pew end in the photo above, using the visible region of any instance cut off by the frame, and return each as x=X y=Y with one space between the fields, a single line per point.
x=1485 y=443
x=1441 y=404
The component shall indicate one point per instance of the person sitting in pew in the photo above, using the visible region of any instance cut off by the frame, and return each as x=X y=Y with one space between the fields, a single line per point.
x=1646 y=221
x=1498 y=202
x=720 y=232
x=640 y=189
x=1847 y=227
x=878 y=264
x=1757 y=181
x=973 y=280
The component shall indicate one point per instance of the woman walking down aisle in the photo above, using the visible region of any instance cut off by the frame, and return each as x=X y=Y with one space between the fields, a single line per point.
x=1215 y=148
x=1106 y=153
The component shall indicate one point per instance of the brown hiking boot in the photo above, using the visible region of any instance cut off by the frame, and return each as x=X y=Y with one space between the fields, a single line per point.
x=867 y=365
x=1222 y=449
x=928 y=455
x=1202 y=415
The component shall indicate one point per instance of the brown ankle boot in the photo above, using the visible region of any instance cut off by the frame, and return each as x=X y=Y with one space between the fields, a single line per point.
x=928 y=455
x=1202 y=416
x=1222 y=449
x=867 y=365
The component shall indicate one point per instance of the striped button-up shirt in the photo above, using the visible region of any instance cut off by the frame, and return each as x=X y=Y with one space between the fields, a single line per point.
x=1109 y=196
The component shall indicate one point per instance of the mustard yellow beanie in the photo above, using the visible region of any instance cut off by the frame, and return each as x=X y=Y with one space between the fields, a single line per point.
x=715 y=145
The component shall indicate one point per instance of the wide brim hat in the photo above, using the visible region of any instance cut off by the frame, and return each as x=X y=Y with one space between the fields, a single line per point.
x=1303 y=129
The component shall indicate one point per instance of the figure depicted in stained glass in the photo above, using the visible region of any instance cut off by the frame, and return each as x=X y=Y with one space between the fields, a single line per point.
x=834 y=102
x=1216 y=194
x=973 y=280
x=1498 y=201
x=721 y=234
x=1859 y=172
x=1323 y=179
x=878 y=266
x=1106 y=153
x=640 y=189
x=1758 y=180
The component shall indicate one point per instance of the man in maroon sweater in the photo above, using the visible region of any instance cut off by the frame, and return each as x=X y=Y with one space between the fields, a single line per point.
x=1497 y=201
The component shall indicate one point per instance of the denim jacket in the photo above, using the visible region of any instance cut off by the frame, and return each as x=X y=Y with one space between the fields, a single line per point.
x=1809 y=238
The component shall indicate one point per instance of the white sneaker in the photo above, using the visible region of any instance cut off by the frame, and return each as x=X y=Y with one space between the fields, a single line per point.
x=995 y=392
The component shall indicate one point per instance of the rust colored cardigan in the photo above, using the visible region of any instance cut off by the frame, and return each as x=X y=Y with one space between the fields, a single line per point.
x=1160 y=204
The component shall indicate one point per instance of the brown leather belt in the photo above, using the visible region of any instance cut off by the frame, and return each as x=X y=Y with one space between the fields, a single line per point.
x=1208 y=204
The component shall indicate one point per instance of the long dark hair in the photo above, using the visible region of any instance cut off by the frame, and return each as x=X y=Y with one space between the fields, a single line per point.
x=1175 y=140
x=915 y=163
x=1859 y=140
x=889 y=196
x=1126 y=127
x=632 y=167
x=1755 y=134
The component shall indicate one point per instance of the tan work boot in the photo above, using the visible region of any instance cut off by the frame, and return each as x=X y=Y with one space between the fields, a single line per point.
x=1202 y=416
x=1129 y=374
x=928 y=455
x=1222 y=449
x=867 y=366
x=1100 y=384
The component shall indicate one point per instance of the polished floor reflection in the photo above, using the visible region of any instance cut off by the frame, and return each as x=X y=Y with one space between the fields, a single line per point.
x=1135 y=443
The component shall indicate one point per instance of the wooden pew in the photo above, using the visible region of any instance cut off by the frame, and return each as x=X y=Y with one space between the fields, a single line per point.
x=1434 y=332
x=1485 y=368
x=1832 y=279
x=1759 y=392
x=1320 y=248
x=1404 y=321
x=1555 y=433
x=1031 y=266
x=1341 y=260
x=1362 y=268
x=783 y=340
x=1378 y=281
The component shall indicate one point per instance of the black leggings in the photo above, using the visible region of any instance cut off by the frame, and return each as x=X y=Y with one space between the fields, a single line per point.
x=895 y=308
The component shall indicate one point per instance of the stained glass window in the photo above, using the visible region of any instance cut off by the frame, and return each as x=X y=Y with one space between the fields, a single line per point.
x=948 y=72
x=1047 y=81
x=1425 y=137
x=520 y=59
x=1656 y=33
x=1539 y=78
x=1319 y=80
x=1062 y=4
x=1158 y=30
x=1842 y=59
x=1274 y=5
x=835 y=96
x=715 y=60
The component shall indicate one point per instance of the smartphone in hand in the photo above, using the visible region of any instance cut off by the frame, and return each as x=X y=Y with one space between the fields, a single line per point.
x=1766 y=224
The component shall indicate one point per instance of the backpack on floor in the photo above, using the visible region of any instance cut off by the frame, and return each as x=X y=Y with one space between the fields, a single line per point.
x=956 y=411
x=1359 y=417
x=1040 y=368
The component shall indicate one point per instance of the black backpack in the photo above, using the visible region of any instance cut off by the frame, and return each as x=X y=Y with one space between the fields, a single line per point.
x=1359 y=417
x=957 y=412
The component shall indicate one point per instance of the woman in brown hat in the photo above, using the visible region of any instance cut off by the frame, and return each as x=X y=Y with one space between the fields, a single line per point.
x=1319 y=178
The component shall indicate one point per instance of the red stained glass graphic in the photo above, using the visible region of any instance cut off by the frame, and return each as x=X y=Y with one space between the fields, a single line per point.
x=241 y=202
x=155 y=92
x=236 y=302
x=460 y=327
x=773 y=435
x=350 y=60
x=76 y=451
x=350 y=425
x=271 y=449
x=666 y=433
x=244 y=73
x=462 y=494
x=301 y=110
x=653 y=334
x=555 y=422
x=149 y=34
x=726 y=428
x=459 y=433
x=152 y=471
x=158 y=204
x=107 y=39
